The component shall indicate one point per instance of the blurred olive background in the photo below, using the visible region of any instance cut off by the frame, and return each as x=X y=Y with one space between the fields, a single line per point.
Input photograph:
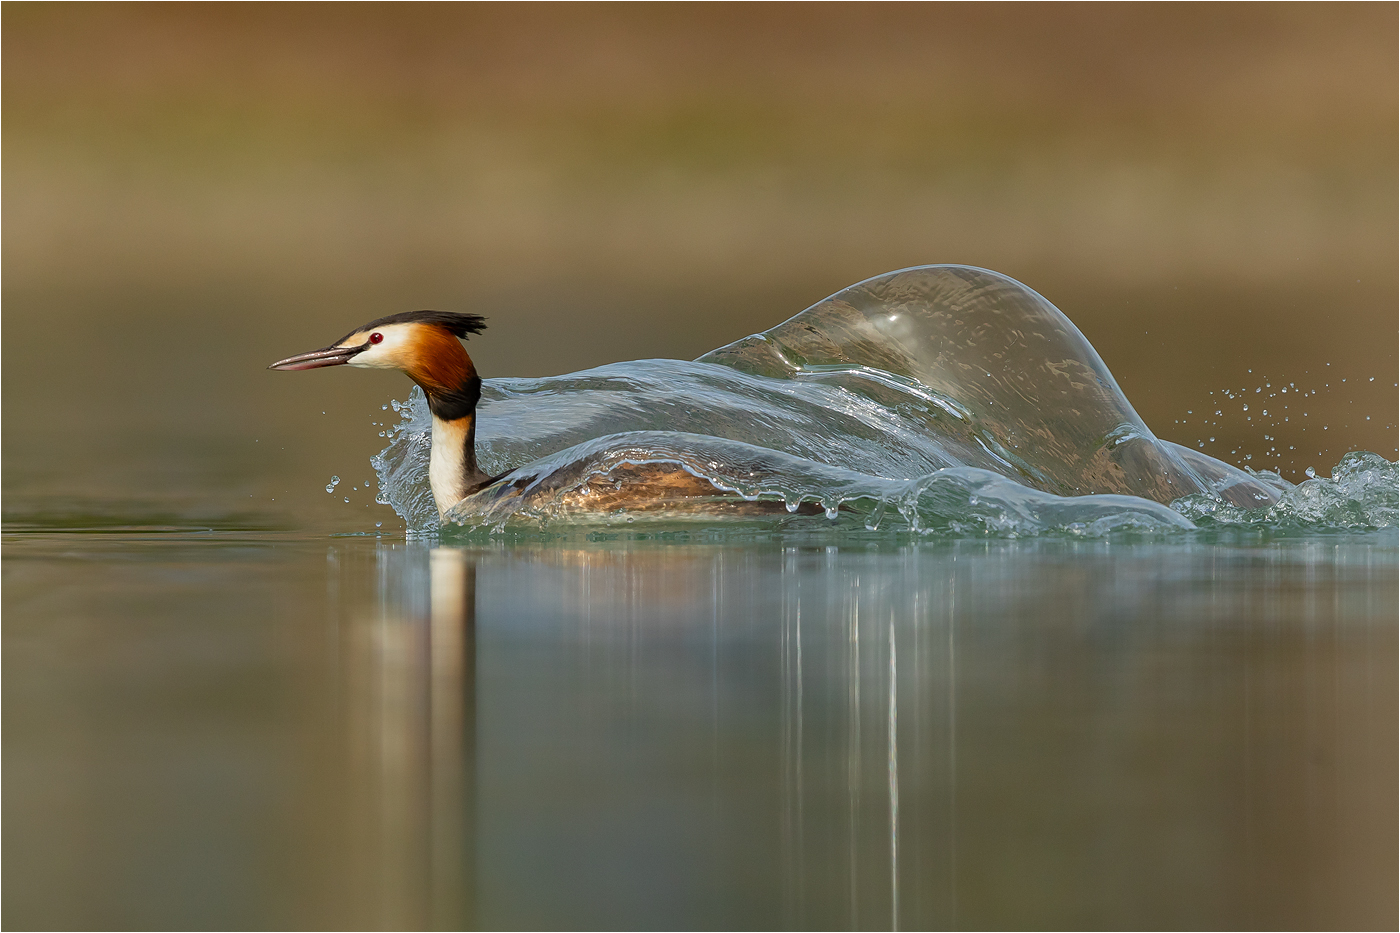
x=191 y=192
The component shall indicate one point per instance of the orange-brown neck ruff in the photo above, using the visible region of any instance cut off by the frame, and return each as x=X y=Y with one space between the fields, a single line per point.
x=439 y=364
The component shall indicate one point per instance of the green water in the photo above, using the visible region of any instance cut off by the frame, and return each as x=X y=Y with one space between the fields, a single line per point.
x=246 y=729
x=226 y=705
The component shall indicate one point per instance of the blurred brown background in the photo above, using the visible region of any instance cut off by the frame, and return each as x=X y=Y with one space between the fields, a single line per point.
x=191 y=192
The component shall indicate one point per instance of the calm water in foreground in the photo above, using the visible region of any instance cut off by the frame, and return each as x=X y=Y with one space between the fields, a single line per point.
x=249 y=729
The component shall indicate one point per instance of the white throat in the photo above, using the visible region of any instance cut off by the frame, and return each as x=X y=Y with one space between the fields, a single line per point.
x=448 y=470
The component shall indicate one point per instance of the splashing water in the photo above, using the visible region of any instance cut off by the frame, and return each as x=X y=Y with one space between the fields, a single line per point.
x=940 y=399
x=1362 y=494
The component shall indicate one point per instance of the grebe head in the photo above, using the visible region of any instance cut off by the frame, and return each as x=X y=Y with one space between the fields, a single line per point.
x=424 y=345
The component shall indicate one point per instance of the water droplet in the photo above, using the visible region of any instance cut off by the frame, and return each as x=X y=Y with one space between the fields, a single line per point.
x=379 y=524
x=347 y=499
x=335 y=481
x=1266 y=411
x=1257 y=391
x=1212 y=440
x=1312 y=474
x=1246 y=408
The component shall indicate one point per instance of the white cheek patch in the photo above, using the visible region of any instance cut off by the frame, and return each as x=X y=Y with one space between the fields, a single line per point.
x=384 y=355
x=373 y=358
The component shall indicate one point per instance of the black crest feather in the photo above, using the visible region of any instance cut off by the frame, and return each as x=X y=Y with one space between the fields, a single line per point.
x=457 y=323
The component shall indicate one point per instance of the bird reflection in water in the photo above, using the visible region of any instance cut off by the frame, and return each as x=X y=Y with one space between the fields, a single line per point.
x=407 y=705
x=409 y=710
x=658 y=735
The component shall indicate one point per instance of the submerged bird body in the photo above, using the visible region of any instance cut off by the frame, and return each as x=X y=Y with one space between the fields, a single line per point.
x=426 y=347
x=893 y=391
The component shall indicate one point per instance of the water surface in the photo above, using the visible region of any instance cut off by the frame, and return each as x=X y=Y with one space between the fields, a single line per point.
x=1026 y=665
x=1001 y=706
x=243 y=728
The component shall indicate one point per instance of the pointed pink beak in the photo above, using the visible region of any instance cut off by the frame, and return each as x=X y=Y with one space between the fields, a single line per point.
x=329 y=356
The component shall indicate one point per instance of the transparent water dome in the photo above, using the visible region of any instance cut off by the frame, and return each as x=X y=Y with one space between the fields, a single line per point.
x=944 y=399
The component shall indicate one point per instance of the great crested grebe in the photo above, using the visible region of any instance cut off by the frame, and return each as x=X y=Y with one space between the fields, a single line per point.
x=424 y=345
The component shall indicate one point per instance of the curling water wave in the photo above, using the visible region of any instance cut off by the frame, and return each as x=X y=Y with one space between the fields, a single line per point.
x=937 y=400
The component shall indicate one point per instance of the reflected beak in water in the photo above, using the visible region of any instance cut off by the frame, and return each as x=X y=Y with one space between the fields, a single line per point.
x=330 y=356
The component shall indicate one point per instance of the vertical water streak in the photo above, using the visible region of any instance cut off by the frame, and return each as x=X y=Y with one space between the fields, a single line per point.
x=452 y=712
x=793 y=893
x=893 y=744
x=334 y=635
x=785 y=737
x=853 y=762
x=716 y=595
x=797 y=757
x=923 y=706
x=952 y=750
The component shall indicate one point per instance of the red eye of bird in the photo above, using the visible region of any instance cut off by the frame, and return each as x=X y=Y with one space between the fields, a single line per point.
x=376 y=337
